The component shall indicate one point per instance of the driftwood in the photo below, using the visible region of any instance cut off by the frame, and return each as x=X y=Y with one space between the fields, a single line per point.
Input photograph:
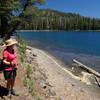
x=87 y=68
x=98 y=81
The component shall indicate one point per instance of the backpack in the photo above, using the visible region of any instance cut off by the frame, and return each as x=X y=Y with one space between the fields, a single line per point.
x=1 y=65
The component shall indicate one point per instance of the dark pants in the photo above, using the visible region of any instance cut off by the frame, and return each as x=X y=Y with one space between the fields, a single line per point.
x=10 y=74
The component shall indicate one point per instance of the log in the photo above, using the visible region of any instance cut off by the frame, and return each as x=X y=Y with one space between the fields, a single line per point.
x=98 y=81
x=87 y=68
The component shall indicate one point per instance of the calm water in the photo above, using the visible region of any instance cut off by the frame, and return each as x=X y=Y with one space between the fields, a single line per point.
x=84 y=46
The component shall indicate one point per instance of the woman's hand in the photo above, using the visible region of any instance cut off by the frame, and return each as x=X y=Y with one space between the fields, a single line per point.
x=12 y=63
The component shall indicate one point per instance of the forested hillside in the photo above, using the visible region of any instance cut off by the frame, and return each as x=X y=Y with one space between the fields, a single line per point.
x=53 y=20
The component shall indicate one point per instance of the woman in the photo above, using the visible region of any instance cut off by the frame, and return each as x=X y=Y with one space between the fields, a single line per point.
x=10 y=65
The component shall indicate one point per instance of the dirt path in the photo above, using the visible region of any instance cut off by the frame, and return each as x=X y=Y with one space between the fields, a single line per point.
x=20 y=89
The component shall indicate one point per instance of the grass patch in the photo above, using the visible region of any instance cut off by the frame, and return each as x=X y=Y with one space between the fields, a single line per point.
x=30 y=85
x=29 y=71
x=27 y=80
x=21 y=47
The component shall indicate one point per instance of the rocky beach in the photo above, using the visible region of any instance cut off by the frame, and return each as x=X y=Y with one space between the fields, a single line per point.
x=57 y=83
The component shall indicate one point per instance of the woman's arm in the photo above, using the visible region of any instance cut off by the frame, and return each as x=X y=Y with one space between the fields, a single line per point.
x=6 y=62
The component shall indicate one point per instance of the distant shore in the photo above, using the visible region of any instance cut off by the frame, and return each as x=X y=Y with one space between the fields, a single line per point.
x=57 y=30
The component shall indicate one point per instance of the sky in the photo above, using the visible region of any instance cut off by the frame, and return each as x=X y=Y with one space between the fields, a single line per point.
x=89 y=8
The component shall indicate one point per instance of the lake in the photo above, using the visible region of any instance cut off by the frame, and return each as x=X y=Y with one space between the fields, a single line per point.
x=83 y=46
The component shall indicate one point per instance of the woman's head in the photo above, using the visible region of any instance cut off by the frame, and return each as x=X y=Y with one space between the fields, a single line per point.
x=10 y=43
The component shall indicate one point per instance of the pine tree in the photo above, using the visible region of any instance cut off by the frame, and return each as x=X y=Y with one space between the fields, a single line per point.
x=13 y=12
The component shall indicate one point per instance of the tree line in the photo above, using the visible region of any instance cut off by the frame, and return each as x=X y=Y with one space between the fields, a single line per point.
x=54 y=20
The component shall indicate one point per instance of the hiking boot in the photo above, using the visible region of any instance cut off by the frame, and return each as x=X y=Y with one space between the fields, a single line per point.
x=9 y=93
x=13 y=92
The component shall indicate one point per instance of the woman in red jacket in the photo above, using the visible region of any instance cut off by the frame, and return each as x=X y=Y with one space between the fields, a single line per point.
x=10 y=65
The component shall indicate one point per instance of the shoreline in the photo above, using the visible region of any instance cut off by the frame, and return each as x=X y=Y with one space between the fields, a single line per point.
x=91 y=61
x=57 y=31
x=58 y=62
x=66 y=57
x=55 y=72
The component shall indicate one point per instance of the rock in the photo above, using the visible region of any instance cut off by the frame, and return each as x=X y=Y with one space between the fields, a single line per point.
x=48 y=84
x=29 y=61
x=43 y=84
x=81 y=90
x=52 y=92
x=73 y=84
x=86 y=78
x=36 y=75
x=61 y=98
x=34 y=55
x=34 y=68
x=29 y=48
